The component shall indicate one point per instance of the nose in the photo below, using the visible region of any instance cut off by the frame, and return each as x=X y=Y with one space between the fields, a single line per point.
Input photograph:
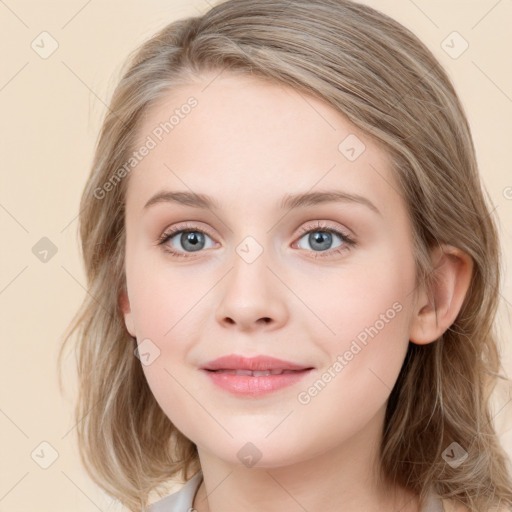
x=252 y=297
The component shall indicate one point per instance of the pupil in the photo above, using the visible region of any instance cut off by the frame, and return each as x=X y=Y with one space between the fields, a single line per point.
x=320 y=240
x=192 y=240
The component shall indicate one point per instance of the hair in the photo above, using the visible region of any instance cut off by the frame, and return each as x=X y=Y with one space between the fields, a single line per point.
x=385 y=81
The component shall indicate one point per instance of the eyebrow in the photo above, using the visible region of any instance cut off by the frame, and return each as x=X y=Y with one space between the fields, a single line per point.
x=289 y=201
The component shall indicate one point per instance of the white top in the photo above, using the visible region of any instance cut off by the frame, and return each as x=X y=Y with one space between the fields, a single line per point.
x=182 y=500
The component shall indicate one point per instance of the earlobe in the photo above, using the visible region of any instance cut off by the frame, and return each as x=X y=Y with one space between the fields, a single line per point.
x=124 y=304
x=437 y=309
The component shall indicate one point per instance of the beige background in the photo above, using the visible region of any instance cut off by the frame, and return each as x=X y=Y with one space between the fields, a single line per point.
x=50 y=115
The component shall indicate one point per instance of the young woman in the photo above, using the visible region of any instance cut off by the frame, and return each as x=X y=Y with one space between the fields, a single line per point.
x=293 y=273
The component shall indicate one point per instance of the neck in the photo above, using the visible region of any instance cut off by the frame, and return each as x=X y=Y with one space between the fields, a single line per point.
x=345 y=477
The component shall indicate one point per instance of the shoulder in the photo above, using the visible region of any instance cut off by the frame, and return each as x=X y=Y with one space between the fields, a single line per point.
x=180 y=501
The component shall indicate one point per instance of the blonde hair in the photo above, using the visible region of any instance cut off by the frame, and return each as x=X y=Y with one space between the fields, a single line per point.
x=387 y=83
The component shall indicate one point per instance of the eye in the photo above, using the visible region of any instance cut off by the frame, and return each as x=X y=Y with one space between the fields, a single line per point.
x=320 y=239
x=323 y=240
x=184 y=239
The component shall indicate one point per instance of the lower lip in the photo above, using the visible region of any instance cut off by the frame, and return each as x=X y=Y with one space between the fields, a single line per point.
x=247 y=385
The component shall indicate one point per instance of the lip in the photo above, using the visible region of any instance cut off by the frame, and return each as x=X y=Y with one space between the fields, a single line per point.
x=258 y=363
x=221 y=372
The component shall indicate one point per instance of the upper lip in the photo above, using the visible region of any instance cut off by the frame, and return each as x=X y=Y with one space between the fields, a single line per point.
x=259 y=363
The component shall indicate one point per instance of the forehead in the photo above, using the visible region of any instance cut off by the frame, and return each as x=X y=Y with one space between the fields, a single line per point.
x=236 y=134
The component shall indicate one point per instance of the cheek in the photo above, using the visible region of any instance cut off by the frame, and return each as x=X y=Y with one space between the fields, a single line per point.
x=360 y=296
x=363 y=316
x=162 y=298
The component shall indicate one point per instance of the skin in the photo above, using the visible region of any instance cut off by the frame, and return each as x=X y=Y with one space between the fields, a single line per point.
x=247 y=144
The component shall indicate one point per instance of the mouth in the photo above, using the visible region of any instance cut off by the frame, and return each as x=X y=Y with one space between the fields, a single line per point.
x=253 y=377
x=256 y=373
x=234 y=362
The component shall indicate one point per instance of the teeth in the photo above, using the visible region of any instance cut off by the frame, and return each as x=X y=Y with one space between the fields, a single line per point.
x=242 y=372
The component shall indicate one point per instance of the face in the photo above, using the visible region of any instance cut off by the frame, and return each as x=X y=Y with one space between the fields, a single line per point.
x=326 y=282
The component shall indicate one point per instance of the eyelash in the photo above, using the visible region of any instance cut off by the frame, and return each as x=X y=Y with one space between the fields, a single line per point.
x=348 y=242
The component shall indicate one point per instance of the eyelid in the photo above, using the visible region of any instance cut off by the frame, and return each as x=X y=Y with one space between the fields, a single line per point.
x=322 y=226
x=185 y=226
x=348 y=240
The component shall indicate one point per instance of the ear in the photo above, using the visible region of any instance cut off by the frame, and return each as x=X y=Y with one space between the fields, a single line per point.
x=124 y=304
x=437 y=309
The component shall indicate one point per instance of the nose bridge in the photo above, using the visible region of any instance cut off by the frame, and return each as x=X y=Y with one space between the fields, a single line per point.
x=250 y=263
x=251 y=294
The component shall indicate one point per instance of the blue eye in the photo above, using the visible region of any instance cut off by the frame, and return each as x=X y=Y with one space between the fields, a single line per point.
x=189 y=239
x=320 y=240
